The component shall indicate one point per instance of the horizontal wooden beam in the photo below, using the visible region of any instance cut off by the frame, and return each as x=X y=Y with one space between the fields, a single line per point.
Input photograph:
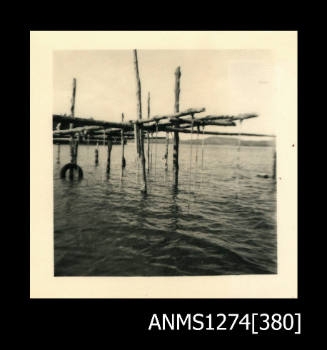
x=230 y=117
x=186 y=131
x=224 y=120
x=205 y=122
x=76 y=130
x=108 y=131
x=220 y=123
x=88 y=121
x=94 y=126
x=189 y=111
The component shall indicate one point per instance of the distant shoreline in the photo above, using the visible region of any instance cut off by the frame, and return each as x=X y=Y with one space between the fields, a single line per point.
x=215 y=141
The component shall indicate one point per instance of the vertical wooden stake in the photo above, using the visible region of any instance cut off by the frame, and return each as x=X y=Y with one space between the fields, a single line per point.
x=72 y=149
x=71 y=125
x=73 y=154
x=136 y=139
x=166 y=153
x=122 y=141
x=109 y=153
x=148 y=135
x=76 y=147
x=176 y=135
x=274 y=166
x=140 y=138
x=58 y=153
x=72 y=157
x=142 y=160
x=72 y=109
x=97 y=154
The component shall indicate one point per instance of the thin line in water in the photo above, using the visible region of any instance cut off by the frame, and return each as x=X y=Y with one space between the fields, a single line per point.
x=202 y=152
x=238 y=168
x=190 y=171
x=155 y=151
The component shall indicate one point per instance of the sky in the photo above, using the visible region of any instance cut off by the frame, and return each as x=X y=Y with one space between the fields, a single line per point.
x=222 y=81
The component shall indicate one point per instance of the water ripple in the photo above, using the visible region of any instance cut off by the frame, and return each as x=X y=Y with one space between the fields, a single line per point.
x=221 y=220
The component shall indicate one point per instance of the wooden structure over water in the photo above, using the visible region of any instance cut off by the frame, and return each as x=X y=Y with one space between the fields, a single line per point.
x=107 y=132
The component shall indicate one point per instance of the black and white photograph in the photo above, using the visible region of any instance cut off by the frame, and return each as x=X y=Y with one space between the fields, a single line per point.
x=164 y=161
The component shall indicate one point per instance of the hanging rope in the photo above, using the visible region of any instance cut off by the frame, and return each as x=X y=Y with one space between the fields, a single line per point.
x=165 y=157
x=238 y=171
x=191 y=151
x=202 y=151
x=239 y=146
x=190 y=170
x=202 y=148
x=197 y=144
x=97 y=153
x=88 y=143
x=196 y=155
x=155 y=150
x=151 y=142
x=58 y=153
x=149 y=150
x=137 y=159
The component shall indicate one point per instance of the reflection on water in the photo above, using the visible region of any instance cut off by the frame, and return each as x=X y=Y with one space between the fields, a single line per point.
x=220 y=220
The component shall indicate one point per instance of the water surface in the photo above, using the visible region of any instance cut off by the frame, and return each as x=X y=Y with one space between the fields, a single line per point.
x=220 y=221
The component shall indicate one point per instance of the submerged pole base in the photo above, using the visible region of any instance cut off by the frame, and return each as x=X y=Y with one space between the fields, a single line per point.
x=71 y=167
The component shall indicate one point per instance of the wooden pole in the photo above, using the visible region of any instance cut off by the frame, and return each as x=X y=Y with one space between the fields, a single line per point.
x=139 y=104
x=72 y=109
x=72 y=158
x=122 y=141
x=185 y=113
x=176 y=135
x=74 y=130
x=57 y=118
x=148 y=134
x=71 y=125
x=109 y=153
x=76 y=147
x=176 y=118
x=136 y=140
x=274 y=166
x=73 y=154
x=58 y=153
x=140 y=138
x=186 y=131
x=138 y=86
x=166 y=152
x=142 y=159
x=97 y=154
x=231 y=118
